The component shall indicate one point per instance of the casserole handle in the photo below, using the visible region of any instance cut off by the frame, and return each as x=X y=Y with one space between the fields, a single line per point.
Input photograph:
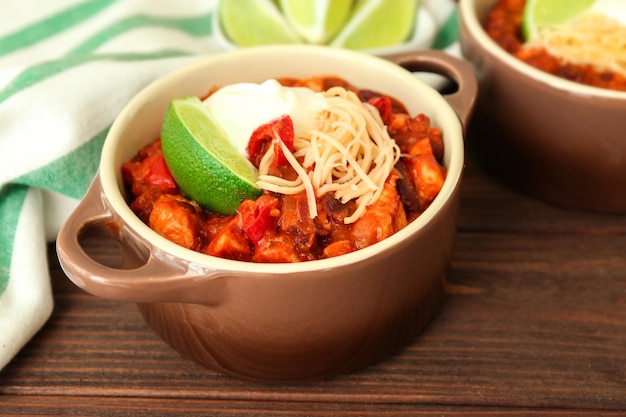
x=143 y=275
x=462 y=100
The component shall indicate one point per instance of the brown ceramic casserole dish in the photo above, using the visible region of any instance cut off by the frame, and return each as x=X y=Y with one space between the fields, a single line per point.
x=277 y=322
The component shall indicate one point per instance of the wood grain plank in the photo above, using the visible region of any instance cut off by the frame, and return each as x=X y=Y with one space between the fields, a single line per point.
x=534 y=319
x=165 y=407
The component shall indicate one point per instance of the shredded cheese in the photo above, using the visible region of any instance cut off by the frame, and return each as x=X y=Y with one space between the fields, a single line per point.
x=348 y=152
x=593 y=38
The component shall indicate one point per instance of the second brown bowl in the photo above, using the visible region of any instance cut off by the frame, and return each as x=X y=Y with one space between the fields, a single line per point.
x=554 y=139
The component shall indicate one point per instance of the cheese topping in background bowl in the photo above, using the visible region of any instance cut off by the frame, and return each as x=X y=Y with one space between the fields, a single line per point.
x=581 y=32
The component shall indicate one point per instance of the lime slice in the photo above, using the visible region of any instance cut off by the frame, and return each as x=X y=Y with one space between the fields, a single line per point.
x=378 y=23
x=317 y=21
x=254 y=22
x=205 y=165
x=539 y=14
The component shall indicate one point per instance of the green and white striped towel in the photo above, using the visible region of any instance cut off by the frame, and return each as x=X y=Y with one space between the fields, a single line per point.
x=67 y=68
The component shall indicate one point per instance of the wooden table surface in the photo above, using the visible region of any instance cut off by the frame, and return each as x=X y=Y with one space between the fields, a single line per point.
x=534 y=321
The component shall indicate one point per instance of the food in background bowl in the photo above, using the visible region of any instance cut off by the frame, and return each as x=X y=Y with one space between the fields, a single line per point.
x=588 y=47
x=284 y=321
x=342 y=169
x=552 y=138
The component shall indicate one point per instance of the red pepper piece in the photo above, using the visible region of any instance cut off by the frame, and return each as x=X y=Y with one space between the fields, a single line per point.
x=159 y=174
x=258 y=224
x=277 y=129
x=151 y=171
x=384 y=106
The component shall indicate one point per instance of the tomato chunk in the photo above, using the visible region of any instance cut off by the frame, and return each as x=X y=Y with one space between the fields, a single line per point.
x=279 y=129
x=263 y=221
x=384 y=106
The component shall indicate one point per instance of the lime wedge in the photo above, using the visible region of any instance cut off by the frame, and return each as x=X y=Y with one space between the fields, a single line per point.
x=205 y=165
x=254 y=22
x=378 y=23
x=317 y=21
x=539 y=14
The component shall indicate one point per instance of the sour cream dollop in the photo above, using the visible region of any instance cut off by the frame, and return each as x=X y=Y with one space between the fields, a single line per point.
x=614 y=9
x=241 y=108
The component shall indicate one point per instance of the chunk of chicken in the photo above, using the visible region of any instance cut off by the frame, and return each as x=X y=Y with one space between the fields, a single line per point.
x=277 y=248
x=231 y=241
x=340 y=247
x=381 y=219
x=428 y=175
x=178 y=219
